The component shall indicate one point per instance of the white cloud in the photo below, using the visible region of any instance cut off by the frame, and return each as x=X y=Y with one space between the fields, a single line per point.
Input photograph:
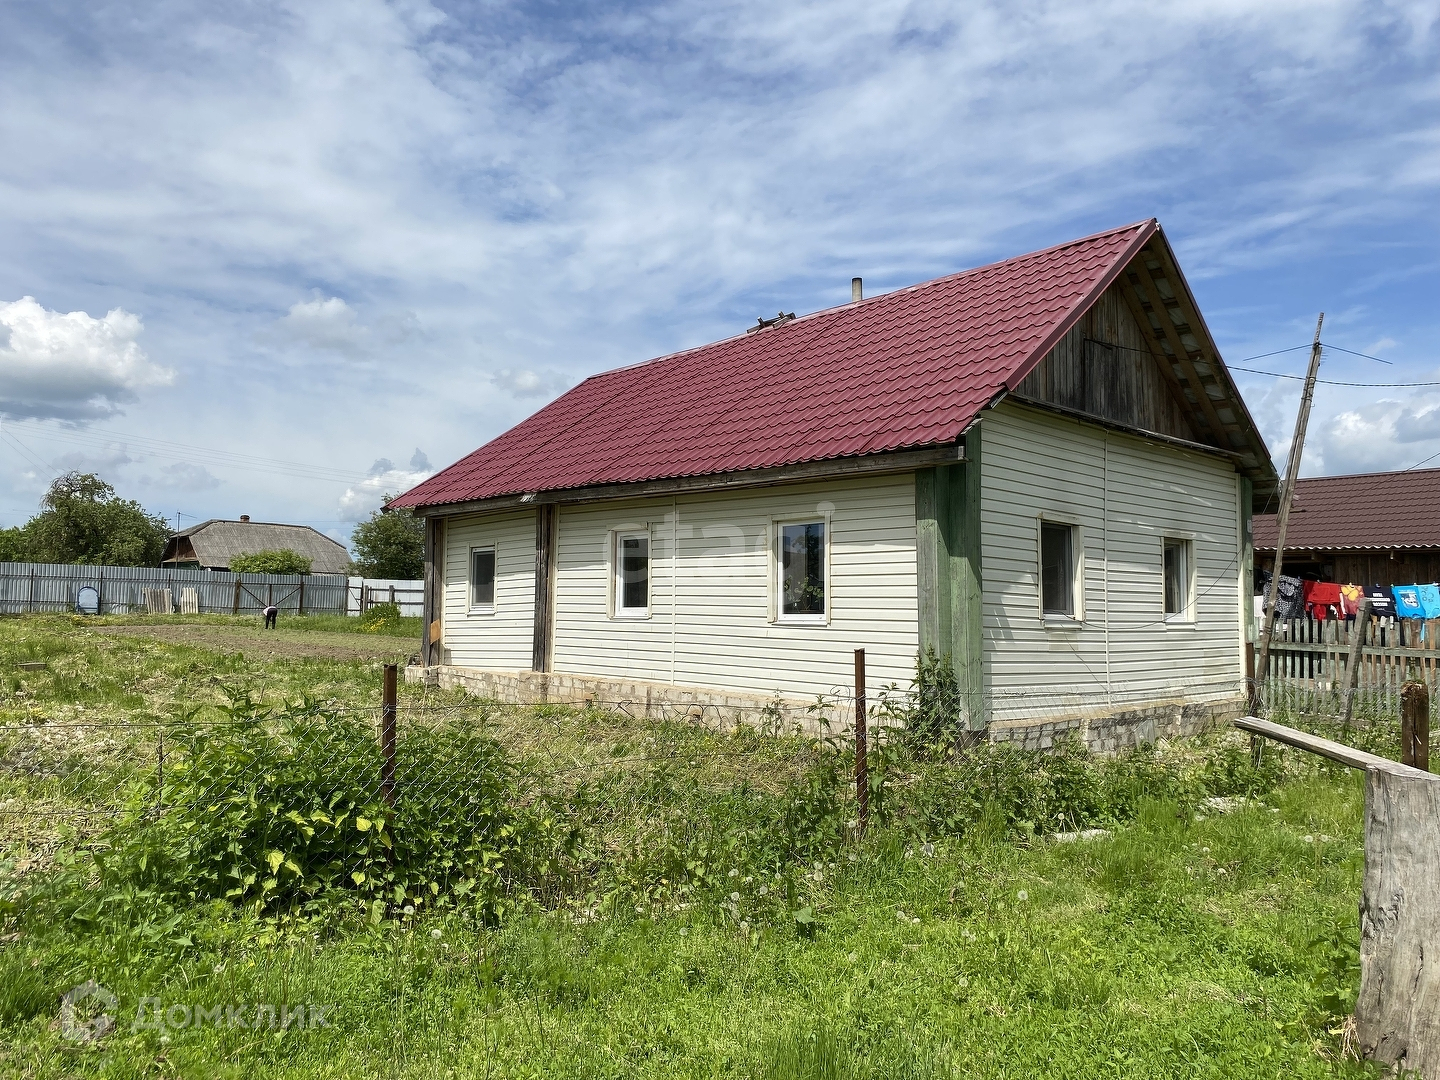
x=384 y=478
x=184 y=476
x=410 y=188
x=522 y=383
x=1380 y=436
x=325 y=324
x=71 y=366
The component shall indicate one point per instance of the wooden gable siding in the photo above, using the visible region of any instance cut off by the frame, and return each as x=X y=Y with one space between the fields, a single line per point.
x=1104 y=367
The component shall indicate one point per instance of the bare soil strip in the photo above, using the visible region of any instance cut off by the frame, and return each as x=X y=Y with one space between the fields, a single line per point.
x=274 y=644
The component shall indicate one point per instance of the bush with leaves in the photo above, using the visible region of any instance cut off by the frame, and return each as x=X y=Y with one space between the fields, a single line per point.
x=380 y=618
x=281 y=561
x=283 y=810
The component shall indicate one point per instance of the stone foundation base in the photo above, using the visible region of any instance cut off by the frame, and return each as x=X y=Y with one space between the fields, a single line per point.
x=720 y=709
x=1106 y=732
x=1100 y=731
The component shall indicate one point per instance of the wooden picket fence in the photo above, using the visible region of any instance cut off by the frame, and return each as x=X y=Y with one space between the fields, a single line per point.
x=1309 y=660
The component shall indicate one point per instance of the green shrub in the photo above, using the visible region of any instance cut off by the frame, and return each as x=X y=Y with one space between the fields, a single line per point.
x=380 y=619
x=283 y=810
x=934 y=718
x=283 y=561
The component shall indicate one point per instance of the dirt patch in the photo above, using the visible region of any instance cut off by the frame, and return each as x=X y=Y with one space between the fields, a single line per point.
x=274 y=644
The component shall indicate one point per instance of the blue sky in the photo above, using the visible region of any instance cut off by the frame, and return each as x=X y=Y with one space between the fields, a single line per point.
x=360 y=239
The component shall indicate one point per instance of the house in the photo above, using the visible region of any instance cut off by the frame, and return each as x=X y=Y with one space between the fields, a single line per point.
x=1362 y=529
x=212 y=544
x=1040 y=469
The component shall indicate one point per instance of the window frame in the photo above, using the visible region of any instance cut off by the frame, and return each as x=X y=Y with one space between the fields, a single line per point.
x=778 y=614
x=472 y=608
x=1187 y=615
x=618 y=610
x=1076 y=615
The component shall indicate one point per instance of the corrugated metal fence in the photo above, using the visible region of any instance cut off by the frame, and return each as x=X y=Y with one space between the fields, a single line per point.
x=121 y=589
x=407 y=595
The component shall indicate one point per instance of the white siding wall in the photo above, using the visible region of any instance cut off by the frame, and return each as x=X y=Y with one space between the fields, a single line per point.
x=500 y=641
x=711 y=567
x=1126 y=495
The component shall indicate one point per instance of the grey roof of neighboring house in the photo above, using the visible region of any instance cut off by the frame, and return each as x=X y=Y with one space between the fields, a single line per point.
x=216 y=542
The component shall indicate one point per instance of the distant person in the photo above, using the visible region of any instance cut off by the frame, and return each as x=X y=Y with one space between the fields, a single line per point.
x=272 y=613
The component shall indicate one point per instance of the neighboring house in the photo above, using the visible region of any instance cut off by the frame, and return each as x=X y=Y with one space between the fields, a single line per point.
x=212 y=544
x=1040 y=469
x=1363 y=529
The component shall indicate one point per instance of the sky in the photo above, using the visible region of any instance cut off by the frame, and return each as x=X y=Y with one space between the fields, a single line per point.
x=281 y=259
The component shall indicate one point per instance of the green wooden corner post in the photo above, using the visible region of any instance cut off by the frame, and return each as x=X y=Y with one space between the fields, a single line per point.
x=967 y=581
x=1247 y=555
x=947 y=538
x=932 y=504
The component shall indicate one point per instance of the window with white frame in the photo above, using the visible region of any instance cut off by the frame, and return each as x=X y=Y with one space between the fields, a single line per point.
x=1057 y=569
x=482 y=579
x=1179 y=590
x=632 y=574
x=802 y=572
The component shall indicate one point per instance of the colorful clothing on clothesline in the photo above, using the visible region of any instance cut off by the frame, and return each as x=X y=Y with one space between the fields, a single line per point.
x=1350 y=597
x=1322 y=599
x=1382 y=603
x=1407 y=601
x=1430 y=601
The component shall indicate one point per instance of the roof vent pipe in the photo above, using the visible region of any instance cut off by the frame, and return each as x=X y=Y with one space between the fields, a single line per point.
x=244 y=517
x=857 y=290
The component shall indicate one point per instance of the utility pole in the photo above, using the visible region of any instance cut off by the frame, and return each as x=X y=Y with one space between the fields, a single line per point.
x=1287 y=493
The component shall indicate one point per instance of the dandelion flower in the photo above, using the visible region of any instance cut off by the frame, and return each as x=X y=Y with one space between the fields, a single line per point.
x=435 y=934
x=408 y=909
x=764 y=890
x=734 y=897
x=1022 y=896
x=733 y=873
x=684 y=930
x=1308 y=838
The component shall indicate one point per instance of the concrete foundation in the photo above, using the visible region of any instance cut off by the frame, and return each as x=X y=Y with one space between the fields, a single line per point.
x=1103 y=731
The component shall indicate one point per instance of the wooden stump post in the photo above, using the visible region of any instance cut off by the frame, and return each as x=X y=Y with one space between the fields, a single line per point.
x=1397 y=1014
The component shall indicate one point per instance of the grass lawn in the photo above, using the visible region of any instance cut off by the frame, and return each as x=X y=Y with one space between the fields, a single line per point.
x=947 y=943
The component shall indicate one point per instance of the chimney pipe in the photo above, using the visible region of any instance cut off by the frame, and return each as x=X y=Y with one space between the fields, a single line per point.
x=244 y=517
x=857 y=290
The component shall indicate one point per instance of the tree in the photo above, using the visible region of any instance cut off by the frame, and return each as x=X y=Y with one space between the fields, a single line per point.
x=82 y=520
x=390 y=544
x=283 y=561
x=14 y=544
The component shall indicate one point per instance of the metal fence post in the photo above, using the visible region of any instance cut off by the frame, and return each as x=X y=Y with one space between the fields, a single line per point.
x=387 y=737
x=862 y=764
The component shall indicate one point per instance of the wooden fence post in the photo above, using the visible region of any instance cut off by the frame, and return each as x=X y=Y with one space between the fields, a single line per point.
x=387 y=737
x=1352 y=669
x=862 y=763
x=1415 y=724
x=236 y=610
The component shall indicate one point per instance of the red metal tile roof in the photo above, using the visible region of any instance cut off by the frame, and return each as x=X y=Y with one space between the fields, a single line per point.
x=1366 y=510
x=902 y=370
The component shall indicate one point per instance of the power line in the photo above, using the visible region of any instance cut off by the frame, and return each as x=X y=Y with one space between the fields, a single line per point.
x=1367 y=356
x=187 y=453
x=1328 y=382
